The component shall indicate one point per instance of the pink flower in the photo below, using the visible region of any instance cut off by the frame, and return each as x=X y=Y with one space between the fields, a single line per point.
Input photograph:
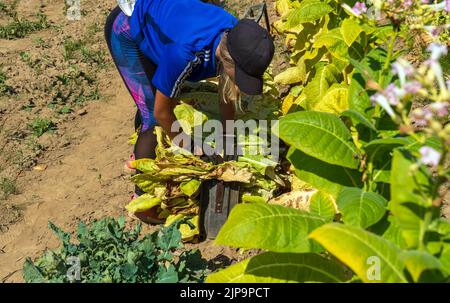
x=359 y=8
x=392 y=94
x=412 y=87
x=407 y=3
x=429 y=156
x=440 y=108
x=421 y=117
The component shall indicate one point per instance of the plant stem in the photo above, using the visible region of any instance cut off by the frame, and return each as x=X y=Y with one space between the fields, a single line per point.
x=385 y=68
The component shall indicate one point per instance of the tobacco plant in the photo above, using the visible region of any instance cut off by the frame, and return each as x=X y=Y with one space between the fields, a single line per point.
x=369 y=131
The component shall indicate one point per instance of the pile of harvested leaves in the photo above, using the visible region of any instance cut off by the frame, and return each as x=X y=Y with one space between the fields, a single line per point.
x=173 y=180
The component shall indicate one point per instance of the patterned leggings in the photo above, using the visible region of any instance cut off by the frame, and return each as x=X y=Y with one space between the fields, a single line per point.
x=137 y=72
x=136 y=69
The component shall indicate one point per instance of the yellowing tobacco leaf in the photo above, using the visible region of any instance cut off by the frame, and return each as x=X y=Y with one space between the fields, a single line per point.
x=350 y=30
x=283 y=7
x=190 y=188
x=294 y=199
x=295 y=74
x=143 y=203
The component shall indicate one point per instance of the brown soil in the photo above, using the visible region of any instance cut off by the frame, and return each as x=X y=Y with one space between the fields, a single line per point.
x=73 y=171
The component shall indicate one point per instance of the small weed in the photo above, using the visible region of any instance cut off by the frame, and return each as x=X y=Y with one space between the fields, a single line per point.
x=78 y=49
x=4 y=88
x=66 y=109
x=39 y=41
x=34 y=145
x=28 y=107
x=92 y=30
x=95 y=57
x=7 y=187
x=9 y=9
x=41 y=126
x=71 y=47
x=21 y=28
x=26 y=57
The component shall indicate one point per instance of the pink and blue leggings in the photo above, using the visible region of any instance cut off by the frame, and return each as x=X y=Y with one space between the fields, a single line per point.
x=137 y=72
x=136 y=69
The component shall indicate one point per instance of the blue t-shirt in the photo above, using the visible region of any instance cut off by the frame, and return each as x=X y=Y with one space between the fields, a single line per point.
x=180 y=37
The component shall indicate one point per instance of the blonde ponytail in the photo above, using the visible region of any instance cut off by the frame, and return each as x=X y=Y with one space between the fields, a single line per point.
x=227 y=88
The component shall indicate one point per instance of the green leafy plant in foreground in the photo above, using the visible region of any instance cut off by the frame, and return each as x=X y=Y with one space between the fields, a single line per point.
x=107 y=252
x=380 y=179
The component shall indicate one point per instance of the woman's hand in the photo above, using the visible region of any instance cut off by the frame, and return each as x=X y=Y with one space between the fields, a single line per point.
x=165 y=116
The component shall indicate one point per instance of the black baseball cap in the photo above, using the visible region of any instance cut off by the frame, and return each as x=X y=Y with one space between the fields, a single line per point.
x=252 y=49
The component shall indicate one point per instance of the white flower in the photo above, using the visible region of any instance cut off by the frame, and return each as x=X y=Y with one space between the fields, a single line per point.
x=438 y=6
x=403 y=69
x=429 y=156
x=384 y=103
x=437 y=51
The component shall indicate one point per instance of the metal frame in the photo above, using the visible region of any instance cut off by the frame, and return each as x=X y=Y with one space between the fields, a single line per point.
x=256 y=12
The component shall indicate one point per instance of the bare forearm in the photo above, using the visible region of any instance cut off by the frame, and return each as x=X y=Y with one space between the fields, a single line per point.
x=165 y=116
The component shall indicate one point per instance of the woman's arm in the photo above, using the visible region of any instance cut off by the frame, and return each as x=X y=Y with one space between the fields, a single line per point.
x=165 y=116
x=163 y=113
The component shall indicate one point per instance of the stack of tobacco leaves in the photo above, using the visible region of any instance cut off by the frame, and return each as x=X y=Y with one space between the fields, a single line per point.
x=172 y=181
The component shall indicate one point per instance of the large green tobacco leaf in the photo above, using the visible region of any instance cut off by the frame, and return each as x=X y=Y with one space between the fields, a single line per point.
x=350 y=30
x=326 y=75
x=32 y=272
x=360 y=208
x=322 y=205
x=358 y=98
x=320 y=135
x=372 y=65
x=269 y=227
x=323 y=176
x=307 y=11
x=389 y=230
x=371 y=257
x=334 y=101
x=336 y=45
x=423 y=266
x=408 y=189
x=272 y=267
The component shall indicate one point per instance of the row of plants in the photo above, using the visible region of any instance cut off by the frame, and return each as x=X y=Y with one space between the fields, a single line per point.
x=369 y=130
